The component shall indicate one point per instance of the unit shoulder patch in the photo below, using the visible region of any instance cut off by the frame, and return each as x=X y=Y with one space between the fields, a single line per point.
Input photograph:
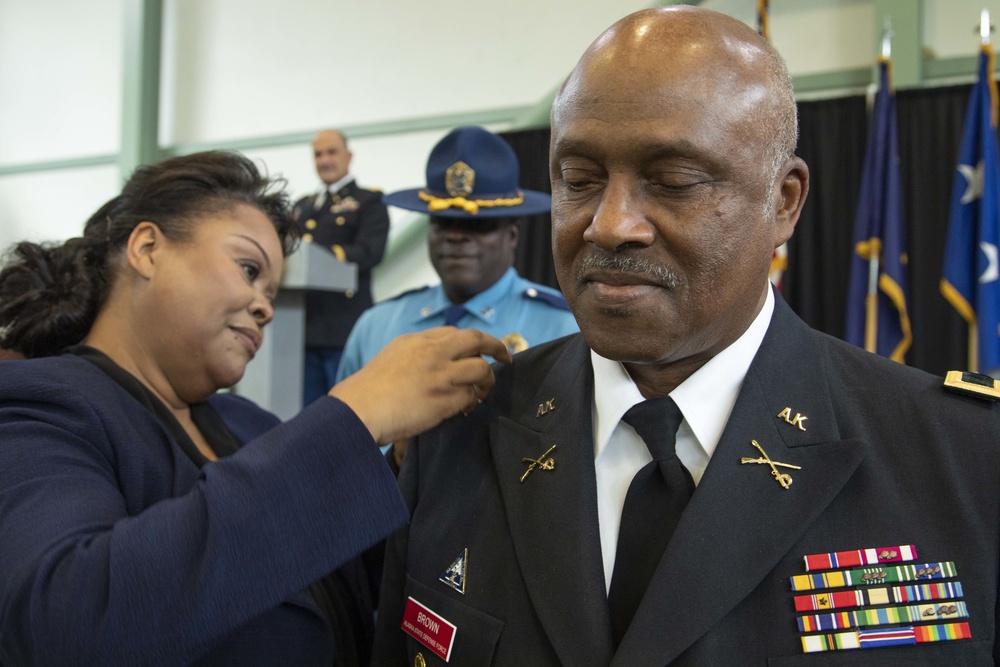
x=973 y=384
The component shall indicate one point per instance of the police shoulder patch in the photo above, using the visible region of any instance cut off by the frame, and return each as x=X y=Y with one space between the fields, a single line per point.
x=408 y=292
x=972 y=384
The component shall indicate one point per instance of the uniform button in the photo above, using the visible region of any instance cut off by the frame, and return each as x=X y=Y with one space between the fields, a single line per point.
x=307 y=238
x=349 y=294
x=310 y=224
x=419 y=661
x=340 y=220
x=532 y=292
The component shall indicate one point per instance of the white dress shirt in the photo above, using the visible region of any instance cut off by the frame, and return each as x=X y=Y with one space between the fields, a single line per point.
x=706 y=399
x=332 y=189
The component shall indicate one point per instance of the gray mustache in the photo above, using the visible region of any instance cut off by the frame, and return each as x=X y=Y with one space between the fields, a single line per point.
x=627 y=264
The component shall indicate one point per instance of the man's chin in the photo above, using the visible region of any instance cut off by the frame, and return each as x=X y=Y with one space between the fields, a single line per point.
x=625 y=344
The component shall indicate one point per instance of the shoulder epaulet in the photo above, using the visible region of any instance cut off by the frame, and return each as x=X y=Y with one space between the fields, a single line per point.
x=555 y=300
x=408 y=292
x=972 y=384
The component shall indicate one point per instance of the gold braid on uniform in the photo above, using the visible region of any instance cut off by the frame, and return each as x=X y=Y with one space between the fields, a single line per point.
x=470 y=206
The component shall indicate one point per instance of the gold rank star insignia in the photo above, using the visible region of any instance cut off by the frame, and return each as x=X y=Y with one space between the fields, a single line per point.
x=541 y=462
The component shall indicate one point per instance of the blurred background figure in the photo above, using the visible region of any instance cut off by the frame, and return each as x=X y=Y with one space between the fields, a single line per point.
x=351 y=223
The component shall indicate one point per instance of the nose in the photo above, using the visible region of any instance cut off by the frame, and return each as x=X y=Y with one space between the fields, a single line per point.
x=262 y=310
x=619 y=222
x=455 y=234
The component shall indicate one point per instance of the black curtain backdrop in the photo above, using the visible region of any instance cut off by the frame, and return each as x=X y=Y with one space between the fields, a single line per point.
x=832 y=141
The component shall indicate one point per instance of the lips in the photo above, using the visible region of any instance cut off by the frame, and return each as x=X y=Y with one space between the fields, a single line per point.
x=619 y=289
x=620 y=279
x=252 y=338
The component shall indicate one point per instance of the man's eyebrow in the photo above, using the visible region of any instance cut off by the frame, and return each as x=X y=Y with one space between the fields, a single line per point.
x=267 y=258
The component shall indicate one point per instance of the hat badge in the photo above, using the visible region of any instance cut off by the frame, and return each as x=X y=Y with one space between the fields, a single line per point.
x=459 y=179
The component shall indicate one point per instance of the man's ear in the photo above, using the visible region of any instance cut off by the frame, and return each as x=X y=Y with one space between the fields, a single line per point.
x=514 y=232
x=143 y=247
x=790 y=190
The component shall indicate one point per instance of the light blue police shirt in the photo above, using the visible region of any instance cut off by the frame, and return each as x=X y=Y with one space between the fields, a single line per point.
x=515 y=310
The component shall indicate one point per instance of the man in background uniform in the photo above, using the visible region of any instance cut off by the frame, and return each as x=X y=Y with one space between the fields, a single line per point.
x=352 y=223
x=473 y=200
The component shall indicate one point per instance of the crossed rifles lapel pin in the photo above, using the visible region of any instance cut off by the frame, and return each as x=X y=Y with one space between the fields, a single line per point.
x=783 y=478
x=541 y=463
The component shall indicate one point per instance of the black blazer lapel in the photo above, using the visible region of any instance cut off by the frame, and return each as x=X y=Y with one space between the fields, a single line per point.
x=554 y=512
x=741 y=521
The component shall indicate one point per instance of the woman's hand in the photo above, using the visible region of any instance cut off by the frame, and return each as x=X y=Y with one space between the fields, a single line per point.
x=421 y=379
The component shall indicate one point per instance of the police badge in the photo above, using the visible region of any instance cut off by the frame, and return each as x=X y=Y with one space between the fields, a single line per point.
x=460 y=179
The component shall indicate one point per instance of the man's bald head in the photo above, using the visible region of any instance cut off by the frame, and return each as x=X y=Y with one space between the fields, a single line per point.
x=696 y=49
x=673 y=181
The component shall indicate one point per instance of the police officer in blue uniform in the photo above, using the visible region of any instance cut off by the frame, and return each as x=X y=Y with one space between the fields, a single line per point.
x=473 y=201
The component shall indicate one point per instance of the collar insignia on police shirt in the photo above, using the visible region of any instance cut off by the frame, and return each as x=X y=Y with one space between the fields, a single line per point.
x=797 y=420
x=847 y=620
x=460 y=179
x=541 y=463
x=515 y=342
x=783 y=478
x=454 y=576
x=972 y=384
x=546 y=407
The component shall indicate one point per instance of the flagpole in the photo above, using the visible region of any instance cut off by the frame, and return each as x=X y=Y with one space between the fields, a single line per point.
x=875 y=249
x=984 y=35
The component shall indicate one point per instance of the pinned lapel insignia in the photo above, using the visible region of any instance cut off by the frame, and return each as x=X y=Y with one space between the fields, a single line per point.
x=515 y=342
x=783 y=478
x=972 y=384
x=541 y=462
x=928 y=594
x=797 y=420
x=454 y=576
x=546 y=407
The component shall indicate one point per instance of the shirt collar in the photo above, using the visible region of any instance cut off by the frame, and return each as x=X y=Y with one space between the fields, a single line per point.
x=483 y=306
x=706 y=398
x=335 y=187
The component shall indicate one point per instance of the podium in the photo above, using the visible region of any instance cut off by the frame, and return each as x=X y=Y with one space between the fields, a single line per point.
x=273 y=379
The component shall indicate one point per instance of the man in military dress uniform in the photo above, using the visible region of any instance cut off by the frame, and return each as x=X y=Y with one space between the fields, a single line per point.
x=352 y=223
x=698 y=478
x=473 y=201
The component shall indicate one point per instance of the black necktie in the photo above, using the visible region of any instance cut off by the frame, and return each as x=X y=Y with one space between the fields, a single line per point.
x=453 y=313
x=653 y=505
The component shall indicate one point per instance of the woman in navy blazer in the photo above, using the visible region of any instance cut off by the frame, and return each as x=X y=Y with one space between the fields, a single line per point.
x=146 y=519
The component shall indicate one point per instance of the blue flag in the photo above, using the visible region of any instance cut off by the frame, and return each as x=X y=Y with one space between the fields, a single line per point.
x=877 y=318
x=970 y=281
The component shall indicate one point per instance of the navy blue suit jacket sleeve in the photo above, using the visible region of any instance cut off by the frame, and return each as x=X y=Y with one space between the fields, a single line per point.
x=102 y=562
